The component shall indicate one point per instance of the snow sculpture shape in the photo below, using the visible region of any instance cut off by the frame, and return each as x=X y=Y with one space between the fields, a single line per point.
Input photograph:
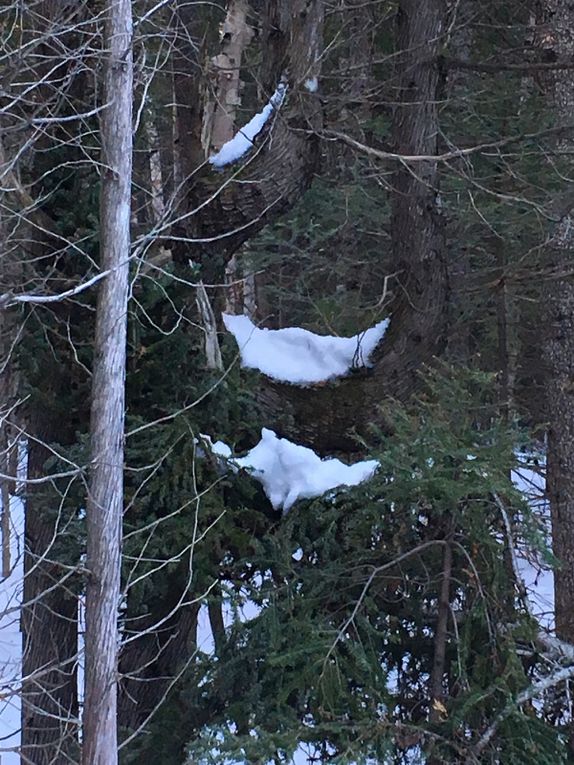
x=297 y=356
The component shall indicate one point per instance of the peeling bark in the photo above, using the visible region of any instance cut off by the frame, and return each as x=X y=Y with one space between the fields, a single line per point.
x=219 y=114
x=209 y=326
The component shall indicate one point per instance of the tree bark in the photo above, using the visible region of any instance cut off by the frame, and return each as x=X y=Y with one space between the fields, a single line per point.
x=220 y=111
x=557 y=39
x=273 y=180
x=436 y=684
x=326 y=417
x=48 y=619
x=105 y=501
x=48 y=625
x=151 y=663
x=417 y=230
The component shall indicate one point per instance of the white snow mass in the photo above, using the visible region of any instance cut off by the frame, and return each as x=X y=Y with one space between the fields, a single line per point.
x=300 y=357
x=529 y=477
x=289 y=472
x=243 y=140
x=312 y=84
x=11 y=641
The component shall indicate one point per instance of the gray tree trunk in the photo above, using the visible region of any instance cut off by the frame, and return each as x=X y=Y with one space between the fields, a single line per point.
x=105 y=501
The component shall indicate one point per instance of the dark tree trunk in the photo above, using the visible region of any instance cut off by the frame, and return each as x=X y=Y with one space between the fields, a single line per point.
x=326 y=416
x=557 y=39
x=151 y=662
x=48 y=624
x=417 y=231
x=560 y=470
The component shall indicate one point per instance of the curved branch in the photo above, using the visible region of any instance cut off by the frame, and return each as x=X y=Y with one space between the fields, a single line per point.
x=274 y=176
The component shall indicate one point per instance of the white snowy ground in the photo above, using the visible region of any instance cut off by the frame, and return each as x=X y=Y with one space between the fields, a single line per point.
x=538 y=577
x=11 y=642
x=297 y=356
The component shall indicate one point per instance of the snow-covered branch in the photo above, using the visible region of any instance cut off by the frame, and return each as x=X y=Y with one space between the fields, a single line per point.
x=244 y=140
x=297 y=356
x=289 y=472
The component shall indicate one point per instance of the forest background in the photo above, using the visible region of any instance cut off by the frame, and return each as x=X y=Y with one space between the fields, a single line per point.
x=412 y=161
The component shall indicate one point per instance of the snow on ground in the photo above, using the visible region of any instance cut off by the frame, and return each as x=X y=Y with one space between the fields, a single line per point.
x=289 y=472
x=529 y=478
x=10 y=641
x=243 y=140
x=300 y=357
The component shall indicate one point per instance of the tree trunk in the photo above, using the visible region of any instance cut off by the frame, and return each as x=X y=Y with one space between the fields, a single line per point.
x=557 y=39
x=274 y=179
x=417 y=231
x=325 y=417
x=105 y=501
x=48 y=624
x=150 y=663
x=220 y=111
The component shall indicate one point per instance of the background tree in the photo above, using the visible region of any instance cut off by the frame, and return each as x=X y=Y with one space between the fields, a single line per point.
x=555 y=40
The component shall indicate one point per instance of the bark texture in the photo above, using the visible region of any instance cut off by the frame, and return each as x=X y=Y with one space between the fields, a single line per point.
x=222 y=210
x=325 y=417
x=150 y=663
x=219 y=114
x=556 y=37
x=48 y=625
x=417 y=230
x=105 y=501
x=49 y=703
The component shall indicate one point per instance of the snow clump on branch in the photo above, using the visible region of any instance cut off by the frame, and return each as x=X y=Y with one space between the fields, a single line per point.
x=289 y=472
x=244 y=139
x=297 y=356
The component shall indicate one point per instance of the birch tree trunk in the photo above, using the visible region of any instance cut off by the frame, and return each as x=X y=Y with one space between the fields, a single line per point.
x=105 y=501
